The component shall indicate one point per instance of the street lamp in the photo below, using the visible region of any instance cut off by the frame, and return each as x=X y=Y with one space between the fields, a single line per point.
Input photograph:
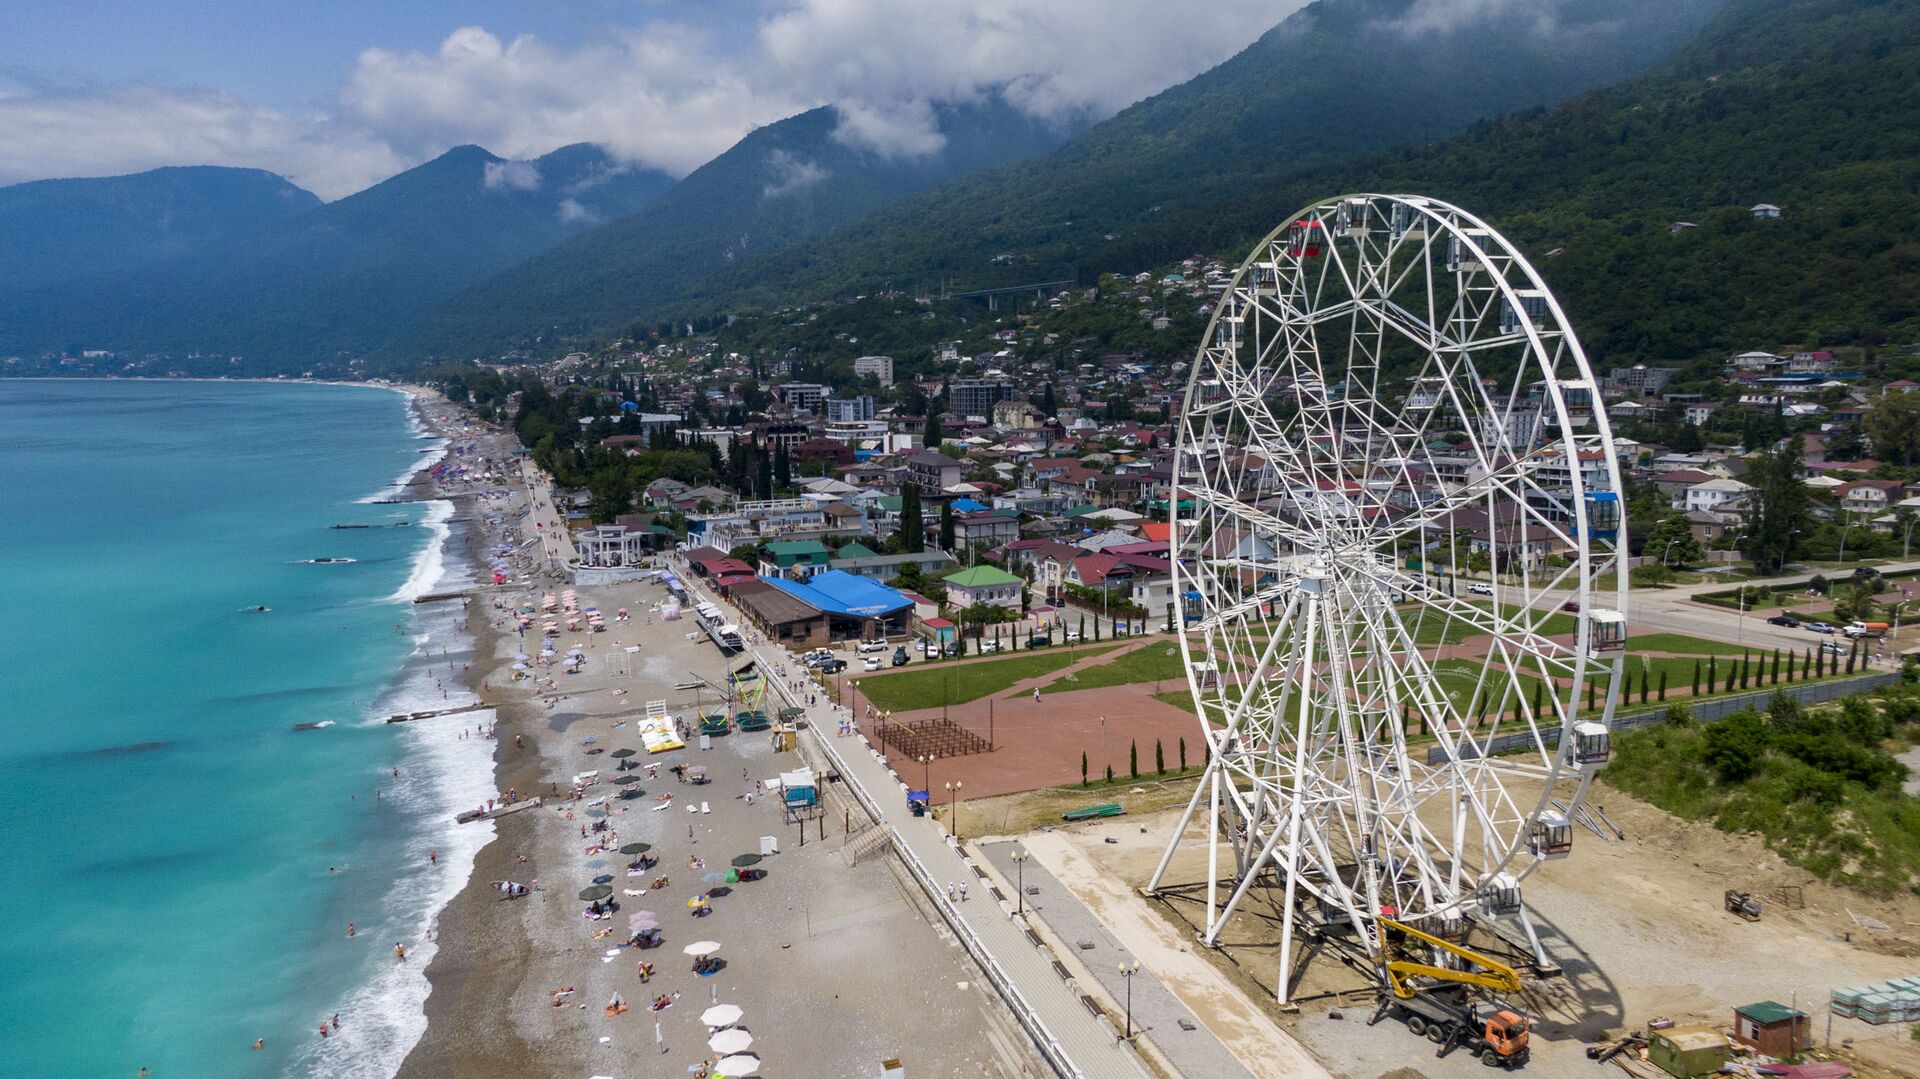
x=953 y=807
x=1020 y=867
x=1127 y=971
x=926 y=770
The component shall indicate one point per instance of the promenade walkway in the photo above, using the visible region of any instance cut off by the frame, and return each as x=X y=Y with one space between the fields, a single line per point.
x=1067 y=1031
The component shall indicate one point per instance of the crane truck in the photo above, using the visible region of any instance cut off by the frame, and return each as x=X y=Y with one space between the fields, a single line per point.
x=1441 y=1003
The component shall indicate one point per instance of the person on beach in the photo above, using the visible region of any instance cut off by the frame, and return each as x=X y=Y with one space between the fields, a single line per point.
x=336 y=1020
x=399 y=952
x=259 y=1043
x=349 y=929
x=323 y=1030
x=433 y=857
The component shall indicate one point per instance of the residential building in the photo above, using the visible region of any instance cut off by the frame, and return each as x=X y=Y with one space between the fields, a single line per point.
x=977 y=396
x=1641 y=380
x=983 y=584
x=803 y=396
x=1722 y=495
x=849 y=409
x=991 y=527
x=880 y=367
x=885 y=567
x=794 y=559
x=931 y=471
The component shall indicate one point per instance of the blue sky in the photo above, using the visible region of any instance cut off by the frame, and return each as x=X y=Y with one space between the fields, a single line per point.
x=339 y=94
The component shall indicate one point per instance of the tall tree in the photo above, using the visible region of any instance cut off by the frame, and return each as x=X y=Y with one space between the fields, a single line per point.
x=913 y=530
x=934 y=435
x=1671 y=542
x=764 y=475
x=782 y=468
x=946 y=525
x=1779 y=520
x=1047 y=404
x=1893 y=423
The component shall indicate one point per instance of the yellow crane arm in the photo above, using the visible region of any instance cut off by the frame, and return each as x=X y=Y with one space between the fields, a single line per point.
x=1484 y=970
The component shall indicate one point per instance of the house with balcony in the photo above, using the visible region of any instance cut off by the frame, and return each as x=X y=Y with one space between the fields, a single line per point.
x=983 y=584
x=931 y=472
x=794 y=560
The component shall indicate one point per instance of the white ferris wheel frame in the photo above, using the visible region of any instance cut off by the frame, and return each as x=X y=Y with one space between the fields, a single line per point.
x=1300 y=661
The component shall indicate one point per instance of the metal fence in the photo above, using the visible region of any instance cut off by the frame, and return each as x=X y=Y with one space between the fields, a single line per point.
x=1703 y=711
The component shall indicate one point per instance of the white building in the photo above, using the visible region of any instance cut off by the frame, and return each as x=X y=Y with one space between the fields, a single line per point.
x=1717 y=495
x=880 y=367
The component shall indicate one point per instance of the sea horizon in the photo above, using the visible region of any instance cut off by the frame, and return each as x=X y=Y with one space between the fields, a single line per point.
x=202 y=794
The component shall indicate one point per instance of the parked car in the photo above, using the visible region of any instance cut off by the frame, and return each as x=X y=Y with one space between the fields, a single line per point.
x=815 y=662
x=989 y=646
x=1039 y=640
x=1834 y=648
x=1819 y=627
x=871 y=646
x=872 y=663
x=832 y=666
x=1479 y=589
x=814 y=655
x=1571 y=606
x=1070 y=635
x=900 y=656
x=1786 y=620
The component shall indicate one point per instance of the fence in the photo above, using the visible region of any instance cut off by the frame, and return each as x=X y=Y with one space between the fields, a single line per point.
x=1704 y=711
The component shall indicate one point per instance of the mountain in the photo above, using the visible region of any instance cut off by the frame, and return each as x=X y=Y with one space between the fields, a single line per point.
x=341 y=276
x=57 y=230
x=1810 y=105
x=1337 y=78
x=778 y=186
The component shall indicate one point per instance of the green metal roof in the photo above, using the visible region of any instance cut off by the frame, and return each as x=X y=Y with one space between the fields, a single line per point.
x=1768 y=1012
x=787 y=552
x=981 y=577
x=854 y=550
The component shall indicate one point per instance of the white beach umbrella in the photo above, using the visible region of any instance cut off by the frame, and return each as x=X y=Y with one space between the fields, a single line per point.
x=701 y=947
x=733 y=1067
x=721 y=1015
x=729 y=1042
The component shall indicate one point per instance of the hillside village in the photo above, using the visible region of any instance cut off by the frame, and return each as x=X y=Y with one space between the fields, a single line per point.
x=1028 y=438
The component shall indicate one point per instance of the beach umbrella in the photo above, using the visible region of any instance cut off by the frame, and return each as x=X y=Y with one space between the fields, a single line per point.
x=522 y=657
x=736 y=1067
x=721 y=1015
x=746 y=860
x=624 y=752
x=643 y=920
x=598 y=891
x=604 y=878
x=697 y=901
x=624 y=780
x=730 y=1042
x=714 y=878
x=636 y=848
x=701 y=948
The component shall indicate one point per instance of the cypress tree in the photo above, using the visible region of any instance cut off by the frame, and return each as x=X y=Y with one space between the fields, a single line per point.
x=1713 y=673
x=1663 y=684
x=1537 y=713
x=1743 y=670
x=1183 y=753
x=1133 y=758
x=782 y=468
x=1645 y=677
x=1589 y=696
x=1159 y=758
x=1776 y=668
x=1852 y=652
x=1109 y=773
x=1696 y=678
x=946 y=525
x=1790 y=659
x=913 y=530
x=1083 y=768
x=1733 y=675
x=765 y=474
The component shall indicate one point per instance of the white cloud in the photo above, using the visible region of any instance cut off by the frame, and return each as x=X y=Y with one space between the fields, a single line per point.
x=789 y=174
x=661 y=93
x=133 y=128
x=511 y=175
x=572 y=213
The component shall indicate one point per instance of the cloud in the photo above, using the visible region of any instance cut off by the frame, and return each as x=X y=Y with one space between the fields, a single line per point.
x=662 y=92
x=95 y=132
x=572 y=213
x=512 y=175
x=789 y=174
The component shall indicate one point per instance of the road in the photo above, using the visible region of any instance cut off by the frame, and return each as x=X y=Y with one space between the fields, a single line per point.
x=1672 y=610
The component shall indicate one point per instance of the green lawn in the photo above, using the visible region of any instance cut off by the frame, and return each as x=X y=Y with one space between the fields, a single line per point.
x=1432 y=628
x=1682 y=645
x=929 y=686
x=1156 y=662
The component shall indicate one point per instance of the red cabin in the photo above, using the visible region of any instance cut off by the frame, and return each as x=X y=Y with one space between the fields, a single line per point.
x=1305 y=239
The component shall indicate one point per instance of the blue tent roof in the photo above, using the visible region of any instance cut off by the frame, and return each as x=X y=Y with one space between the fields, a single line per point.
x=966 y=505
x=840 y=592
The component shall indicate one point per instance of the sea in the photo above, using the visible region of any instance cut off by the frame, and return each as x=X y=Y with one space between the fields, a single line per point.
x=183 y=853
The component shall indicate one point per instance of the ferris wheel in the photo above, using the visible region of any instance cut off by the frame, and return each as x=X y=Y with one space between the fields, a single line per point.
x=1395 y=498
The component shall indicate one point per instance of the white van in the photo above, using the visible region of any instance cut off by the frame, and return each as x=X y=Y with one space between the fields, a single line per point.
x=1479 y=589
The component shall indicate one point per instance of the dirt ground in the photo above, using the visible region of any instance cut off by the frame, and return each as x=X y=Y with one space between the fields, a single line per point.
x=1638 y=926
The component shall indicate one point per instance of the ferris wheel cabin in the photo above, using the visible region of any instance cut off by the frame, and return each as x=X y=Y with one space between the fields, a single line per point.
x=1591 y=745
x=1606 y=632
x=1499 y=897
x=1551 y=836
x=1306 y=239
x=1603 y=515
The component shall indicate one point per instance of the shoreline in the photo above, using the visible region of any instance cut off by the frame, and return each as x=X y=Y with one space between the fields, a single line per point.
x=480 y=945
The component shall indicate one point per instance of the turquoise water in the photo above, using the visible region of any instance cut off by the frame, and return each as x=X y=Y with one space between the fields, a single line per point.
x=168 y=834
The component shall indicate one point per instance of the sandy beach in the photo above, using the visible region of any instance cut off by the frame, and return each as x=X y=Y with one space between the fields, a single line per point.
x=835 y=965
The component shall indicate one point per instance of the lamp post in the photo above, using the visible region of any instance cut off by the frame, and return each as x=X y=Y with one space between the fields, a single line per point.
x=1106 y=765
x=926 y=770
x=953 y=807
x=1127 y=971
x=1020 y=867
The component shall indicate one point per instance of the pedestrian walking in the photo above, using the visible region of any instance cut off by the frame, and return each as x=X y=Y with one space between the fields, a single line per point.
x=950 y=891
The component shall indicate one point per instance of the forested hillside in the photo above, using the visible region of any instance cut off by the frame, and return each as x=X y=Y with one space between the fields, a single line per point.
x=1337 y=78
x=56 y=230
x=1811 y=105
x=337 y=278
x=779 y=186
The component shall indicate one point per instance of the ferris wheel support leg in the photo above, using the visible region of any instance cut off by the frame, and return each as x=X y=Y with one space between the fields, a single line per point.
x=1179 y=832
x=1540 y=956
x=1213 y=852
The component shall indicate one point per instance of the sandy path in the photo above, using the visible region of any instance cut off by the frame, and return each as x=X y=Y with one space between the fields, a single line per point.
x=1236 y=1020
